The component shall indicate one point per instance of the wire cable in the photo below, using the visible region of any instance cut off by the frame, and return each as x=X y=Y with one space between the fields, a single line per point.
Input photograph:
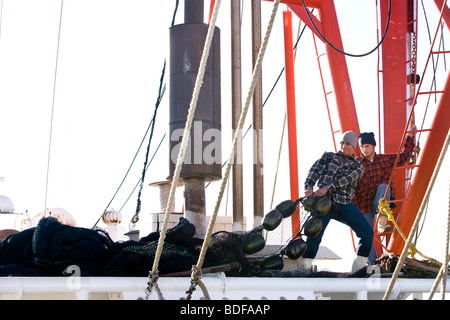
x=341 y=51
x=53 y=108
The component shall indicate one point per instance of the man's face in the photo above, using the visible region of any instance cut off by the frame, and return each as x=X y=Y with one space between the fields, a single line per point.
x=368 y=150
x=347 y=149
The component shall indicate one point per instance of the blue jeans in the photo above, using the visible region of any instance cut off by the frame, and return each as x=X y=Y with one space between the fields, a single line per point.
x=350 y=215
x=370 y=215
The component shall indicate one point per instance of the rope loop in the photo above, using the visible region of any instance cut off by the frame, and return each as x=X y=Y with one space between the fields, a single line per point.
x=255 y=76
x=196 y=276
x=386 y=210
x=186 y=133
x=153 y=283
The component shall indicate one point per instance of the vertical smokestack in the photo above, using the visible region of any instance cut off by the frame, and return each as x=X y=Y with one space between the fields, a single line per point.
x=193 y=11
x=203 y=154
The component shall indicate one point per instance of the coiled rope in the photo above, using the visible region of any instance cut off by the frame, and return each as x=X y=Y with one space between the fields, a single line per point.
x=386 y=210
x=195 y=275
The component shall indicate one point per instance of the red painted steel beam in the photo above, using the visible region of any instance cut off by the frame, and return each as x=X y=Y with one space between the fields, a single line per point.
x=211 y=9
x=299 y=10
x=394 y=66
x=309 y=3
x=427 y=163
x=446 y=14
x=329 y=26
x=338 y=67
x=395 y=87
x=291 y=116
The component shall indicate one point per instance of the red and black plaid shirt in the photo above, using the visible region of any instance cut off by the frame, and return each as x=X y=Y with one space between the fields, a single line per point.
x=377 y=172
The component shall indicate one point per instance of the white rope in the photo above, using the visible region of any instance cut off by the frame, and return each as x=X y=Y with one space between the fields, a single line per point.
x=53 y=110
x=278 y=161
x=255 y=77
x=442 y=275
x=186 y=133
x=405 y=251
x=445 y=264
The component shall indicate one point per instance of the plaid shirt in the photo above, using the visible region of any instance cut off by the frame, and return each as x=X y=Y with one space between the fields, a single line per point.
x=377 y=172
x=339 y=173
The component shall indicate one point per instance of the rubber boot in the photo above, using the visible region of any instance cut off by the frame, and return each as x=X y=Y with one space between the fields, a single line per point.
x=359 y=263
x=304 y=263
x=383 y=227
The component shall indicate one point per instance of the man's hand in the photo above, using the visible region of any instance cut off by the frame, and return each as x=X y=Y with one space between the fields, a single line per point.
x=308 y=193
x=412 y=131
x=321 y=192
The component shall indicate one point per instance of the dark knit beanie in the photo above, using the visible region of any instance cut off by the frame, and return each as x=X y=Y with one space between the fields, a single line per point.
x=367 y=138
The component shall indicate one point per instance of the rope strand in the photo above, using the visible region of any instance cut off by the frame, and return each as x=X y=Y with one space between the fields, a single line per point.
x=402 y=258
x=53 y=110
x=255 y=77
x=186 y=134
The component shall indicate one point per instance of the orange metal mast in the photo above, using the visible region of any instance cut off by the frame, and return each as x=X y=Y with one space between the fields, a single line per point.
x=428 y=159
x=427 y=163
x=329 y=27
x=394 y=84
x=395 y=87
x=291 y=116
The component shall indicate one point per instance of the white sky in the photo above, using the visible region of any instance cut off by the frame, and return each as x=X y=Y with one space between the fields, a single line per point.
x=110 y=61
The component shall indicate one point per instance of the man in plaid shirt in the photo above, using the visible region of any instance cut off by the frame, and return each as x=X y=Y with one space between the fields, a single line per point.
x=373 y=184
x=337 y=175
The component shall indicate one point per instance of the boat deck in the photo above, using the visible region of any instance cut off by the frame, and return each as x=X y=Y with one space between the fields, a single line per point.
x=219 y=287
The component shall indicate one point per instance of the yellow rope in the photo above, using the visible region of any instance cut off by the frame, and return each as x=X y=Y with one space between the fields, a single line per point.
x=418 y=217
x=387 y=211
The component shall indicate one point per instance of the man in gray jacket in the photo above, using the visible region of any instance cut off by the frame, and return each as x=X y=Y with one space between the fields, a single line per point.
x=337 y=174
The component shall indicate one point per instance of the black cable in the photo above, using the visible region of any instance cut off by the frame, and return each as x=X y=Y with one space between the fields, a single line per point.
x=343 y=52
x=151 y=125
x=278 y=78
x=131 y=165
x=175 y=12
x=433 y=83
x=269 y=94
x=144 y=170
x=148 y=165
x=134 y=158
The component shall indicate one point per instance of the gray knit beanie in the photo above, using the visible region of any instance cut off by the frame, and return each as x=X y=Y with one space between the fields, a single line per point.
x=350 y=137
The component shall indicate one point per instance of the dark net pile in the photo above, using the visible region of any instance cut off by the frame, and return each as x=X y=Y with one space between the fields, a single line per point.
x=51 y=247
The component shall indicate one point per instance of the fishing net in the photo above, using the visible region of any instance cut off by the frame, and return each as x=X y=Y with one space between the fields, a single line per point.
x=51 y=247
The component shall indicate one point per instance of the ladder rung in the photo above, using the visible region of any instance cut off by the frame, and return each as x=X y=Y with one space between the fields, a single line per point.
x=396 y=200
x=419 y=130
x=383 y=233
x=430 y=92
x=320 y=55
x=329 y=93
x=439 y=52
x=407 y=166
x=424 y=92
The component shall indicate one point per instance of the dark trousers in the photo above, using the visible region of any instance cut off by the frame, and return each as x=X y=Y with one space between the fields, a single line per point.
x=350 y=215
